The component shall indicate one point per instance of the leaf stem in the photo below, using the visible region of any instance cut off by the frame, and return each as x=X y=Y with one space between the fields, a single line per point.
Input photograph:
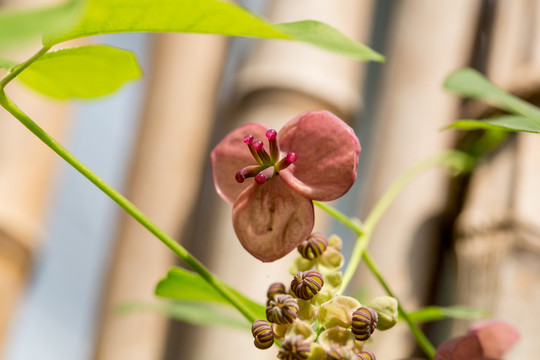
x=421 y=339
x=176 y=248
x=11 y=74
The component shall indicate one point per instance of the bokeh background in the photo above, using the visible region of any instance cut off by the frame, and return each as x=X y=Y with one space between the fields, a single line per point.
x=70 y=258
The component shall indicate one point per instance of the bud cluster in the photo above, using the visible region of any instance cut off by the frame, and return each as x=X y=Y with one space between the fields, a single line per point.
x=310 y=319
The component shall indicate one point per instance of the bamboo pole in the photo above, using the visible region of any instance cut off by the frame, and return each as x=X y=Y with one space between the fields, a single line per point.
x=165 y=178
x=427 y=41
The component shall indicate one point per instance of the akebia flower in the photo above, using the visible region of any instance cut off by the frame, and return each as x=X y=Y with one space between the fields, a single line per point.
x=313 y=157
x=487 y=340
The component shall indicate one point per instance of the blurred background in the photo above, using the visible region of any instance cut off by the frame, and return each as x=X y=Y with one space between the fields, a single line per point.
x=69 y=257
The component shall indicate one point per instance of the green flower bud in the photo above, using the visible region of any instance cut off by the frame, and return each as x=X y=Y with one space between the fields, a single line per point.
x=306 y=311
x=335 y=242
x=338 y=312
x=317 y=352
x=300 y=264
x=337 y=337
x=331 y=261
x=386 y=308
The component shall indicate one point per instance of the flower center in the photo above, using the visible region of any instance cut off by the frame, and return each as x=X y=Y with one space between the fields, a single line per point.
x=268 y=165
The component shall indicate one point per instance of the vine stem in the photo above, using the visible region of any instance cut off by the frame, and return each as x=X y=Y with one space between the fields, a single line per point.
x=421 y=338
x=457 y=161
x=124 y=203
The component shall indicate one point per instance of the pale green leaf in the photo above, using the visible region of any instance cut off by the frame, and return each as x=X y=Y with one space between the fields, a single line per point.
x=181 y=284
x=433 y=313
x=194 y=313
x=17 y=27
x=203 y=16
x=471 y=84
x=505 y=122
x=81 y=72
x=329 y=38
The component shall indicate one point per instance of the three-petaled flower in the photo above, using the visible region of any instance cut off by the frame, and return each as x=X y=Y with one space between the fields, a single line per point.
x=313 y=157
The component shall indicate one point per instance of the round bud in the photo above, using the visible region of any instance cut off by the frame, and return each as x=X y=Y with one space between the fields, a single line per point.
x=263 y=334
x=274 y=290
x=366 y=355
x=313 y=246
x=307 y=284
x=291 y=157
x=295 y=347
x=364 y=322
x=248 y=139
x=282 y=309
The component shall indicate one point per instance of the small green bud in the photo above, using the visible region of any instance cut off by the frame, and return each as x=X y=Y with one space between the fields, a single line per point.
x=335 y=242
x=338 y=337
x=300 y=264
x=331 y=261
x=317 y=352
x=306 y=311
x=338 y=312
x=387 y=309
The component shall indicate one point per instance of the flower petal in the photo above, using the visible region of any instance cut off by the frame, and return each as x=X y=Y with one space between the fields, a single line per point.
x=271 y=219
x=460 y=348
x=496 y=337
x=327 y=155
x=232 y=155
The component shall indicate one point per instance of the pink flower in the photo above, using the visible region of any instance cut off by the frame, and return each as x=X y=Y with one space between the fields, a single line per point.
x=313 y=157
x=488 y=340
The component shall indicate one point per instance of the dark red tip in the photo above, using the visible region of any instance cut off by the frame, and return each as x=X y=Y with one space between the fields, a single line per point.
x=248 y=139
x=291 y=157
x=258 y=145
x=239 y=177
x=260 y=179
x=271 y=134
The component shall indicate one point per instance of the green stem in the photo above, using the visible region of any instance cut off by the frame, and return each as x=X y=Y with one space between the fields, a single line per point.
x=422 y=340
x=11 y=74
x=176 y=248
x=456 y=160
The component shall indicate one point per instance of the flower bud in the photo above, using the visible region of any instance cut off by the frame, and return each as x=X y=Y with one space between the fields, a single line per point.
x=274 y=290
x=364 y=322
x=306 y=284
x=282 y=309
x=313 y=246
x=295 y=347
x=338 y=312
x=263 y=334
x=386 y=308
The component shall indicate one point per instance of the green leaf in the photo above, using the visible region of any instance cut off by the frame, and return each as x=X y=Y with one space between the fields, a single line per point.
x=7 y=64
x=471 y=84
x=17 y=27
x=203 y=16
x=194 y=313
x=329 y=38
x=81 y=72
x=506 y=123
x=181 y=284
x=433 y=313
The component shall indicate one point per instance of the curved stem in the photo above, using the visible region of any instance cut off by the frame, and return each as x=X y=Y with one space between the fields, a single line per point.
x=422 y=340
x=456 y=160
x=10 y=75
x=176 y=248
